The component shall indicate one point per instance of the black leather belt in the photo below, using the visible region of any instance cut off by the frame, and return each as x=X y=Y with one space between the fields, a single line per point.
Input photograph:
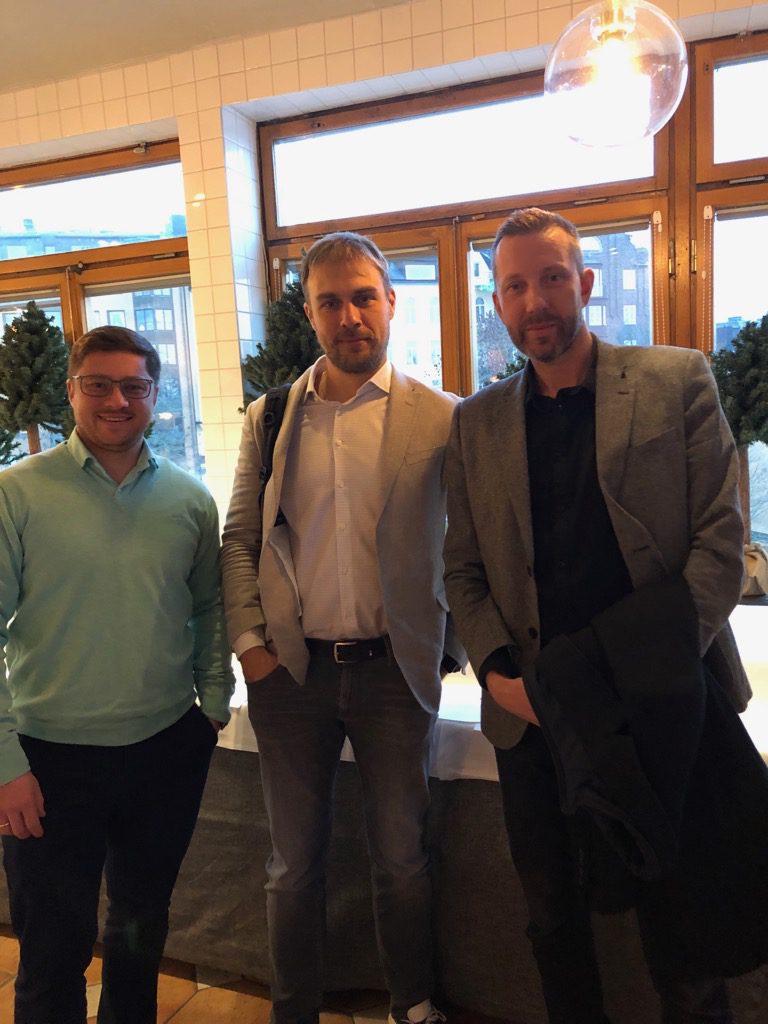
x=350 y=652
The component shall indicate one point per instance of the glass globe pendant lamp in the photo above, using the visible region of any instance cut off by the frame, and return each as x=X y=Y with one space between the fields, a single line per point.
x=617 y=73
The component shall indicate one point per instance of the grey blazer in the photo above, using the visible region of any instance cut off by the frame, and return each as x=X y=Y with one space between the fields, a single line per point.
x=260 y=591
x=668 y=470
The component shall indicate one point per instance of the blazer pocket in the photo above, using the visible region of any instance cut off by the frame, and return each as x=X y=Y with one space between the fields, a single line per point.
x=423 y=454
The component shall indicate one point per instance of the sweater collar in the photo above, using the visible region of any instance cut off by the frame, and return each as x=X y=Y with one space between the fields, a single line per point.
x=83 y=456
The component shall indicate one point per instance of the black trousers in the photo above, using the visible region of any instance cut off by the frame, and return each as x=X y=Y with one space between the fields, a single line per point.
x=128 y=811
x=544 y=849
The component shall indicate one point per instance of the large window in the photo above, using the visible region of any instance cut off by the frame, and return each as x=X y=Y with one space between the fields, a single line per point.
x=415 y=160
x=738 y=276
x=731 y=216
x=731 y=77
x=421 y=161
x=736 y=84
x=136 y=205
x=733 y=236
x=740 y=295
x=122 y=214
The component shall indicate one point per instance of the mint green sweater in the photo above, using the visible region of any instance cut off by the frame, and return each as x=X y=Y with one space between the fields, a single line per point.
x=110 y=607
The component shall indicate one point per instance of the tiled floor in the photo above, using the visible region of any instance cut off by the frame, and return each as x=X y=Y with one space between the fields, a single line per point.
x=185 y=995
x=189 y=995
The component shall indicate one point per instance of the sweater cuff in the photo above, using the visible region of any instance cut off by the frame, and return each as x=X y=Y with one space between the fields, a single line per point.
x=505 y=660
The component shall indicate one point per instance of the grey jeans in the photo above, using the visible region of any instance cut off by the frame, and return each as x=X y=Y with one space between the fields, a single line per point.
x=300 y=731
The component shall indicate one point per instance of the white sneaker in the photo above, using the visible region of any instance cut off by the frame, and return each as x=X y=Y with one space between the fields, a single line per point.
x=423 y=1013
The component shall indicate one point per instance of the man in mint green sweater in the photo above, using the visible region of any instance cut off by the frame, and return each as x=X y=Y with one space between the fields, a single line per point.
x=112 y=631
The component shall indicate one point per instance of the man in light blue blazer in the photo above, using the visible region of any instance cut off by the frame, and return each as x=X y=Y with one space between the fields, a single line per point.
x=594 y=471
x=336 y=608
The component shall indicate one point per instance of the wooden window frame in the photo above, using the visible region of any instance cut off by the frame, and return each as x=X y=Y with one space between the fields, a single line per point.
x=452 y=242
x=124 y=159
x=708 y=55
x=68 y=273
x=54 y=285
x=453 y=98
x=731 y=198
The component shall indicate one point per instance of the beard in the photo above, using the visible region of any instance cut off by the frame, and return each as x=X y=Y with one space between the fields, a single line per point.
x=363 y=360
x=547 y=350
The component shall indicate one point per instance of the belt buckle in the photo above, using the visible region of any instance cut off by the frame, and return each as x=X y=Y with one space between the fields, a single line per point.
x=336 y=653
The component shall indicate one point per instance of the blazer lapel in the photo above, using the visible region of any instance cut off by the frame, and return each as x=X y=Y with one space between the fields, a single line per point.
x=398 y=428
x=614 y=410
x=273 y=494
x=509 y=439
x=277 y=536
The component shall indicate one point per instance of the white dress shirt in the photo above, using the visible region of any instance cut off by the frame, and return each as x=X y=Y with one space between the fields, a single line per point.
x=332 y=502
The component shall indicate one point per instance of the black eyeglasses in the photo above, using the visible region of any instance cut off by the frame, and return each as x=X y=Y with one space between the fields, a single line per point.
x=96 y=386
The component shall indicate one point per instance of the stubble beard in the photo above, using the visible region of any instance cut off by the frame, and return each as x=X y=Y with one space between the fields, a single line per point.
x=358 y=362
x=567 y=331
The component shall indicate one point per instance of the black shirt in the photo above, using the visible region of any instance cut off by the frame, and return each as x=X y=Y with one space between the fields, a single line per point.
x=578 y=567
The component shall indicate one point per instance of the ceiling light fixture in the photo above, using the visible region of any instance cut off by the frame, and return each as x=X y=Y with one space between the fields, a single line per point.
x=617 y=73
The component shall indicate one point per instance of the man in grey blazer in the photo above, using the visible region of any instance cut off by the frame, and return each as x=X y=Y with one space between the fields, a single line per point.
x=592 y=472
x=336 y=608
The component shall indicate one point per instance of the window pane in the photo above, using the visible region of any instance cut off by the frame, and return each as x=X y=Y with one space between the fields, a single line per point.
x=447 y=169
x=758 y=491
x=736 y=87
x=738 y=285
x=12 y=306
x=164 y=317
x=138 y=205
x=739 y=295
x=492 y=350
x=622 y=258
x=415 y=339
x=597 y=287
x=612 y=253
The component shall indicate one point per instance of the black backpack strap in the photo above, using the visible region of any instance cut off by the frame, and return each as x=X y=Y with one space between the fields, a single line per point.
x=274 y=409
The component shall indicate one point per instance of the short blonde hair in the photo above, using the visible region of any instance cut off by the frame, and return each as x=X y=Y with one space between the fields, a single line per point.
x=532 y=220
x=340 y=246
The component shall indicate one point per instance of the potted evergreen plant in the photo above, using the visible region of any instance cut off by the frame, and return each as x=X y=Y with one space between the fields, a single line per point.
x=289 y=348
x=33 y=375
x=741 y=373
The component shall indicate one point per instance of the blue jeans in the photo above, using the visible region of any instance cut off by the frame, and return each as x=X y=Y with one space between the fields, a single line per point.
x=300 y=731
x=129 y=811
